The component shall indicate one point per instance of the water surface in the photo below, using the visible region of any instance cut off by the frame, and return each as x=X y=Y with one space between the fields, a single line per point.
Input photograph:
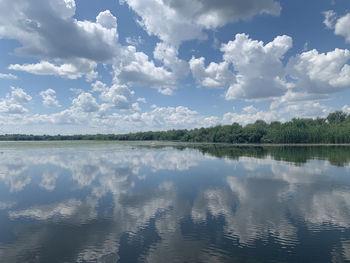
x=168 y=202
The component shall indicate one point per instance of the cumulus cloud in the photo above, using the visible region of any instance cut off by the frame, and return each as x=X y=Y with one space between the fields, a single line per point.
x=14 y=101
x=119 y=96
x=39 y=27
x=250 y=115
x=293 y=97
x=107 y=20
x=6 y=107
x=260 y=71
x=176 y=21
x=73 y=116
x=86 y=112
x=288 y=108
x=136 y=69
x=168 y=54
x=305 y=109
x=341 y=25
x=18 y=96
x=316 y=72
x=86 y=102
x=49 y=98
x=164 y=118
x=159 y=19
x=250 y=109
x=98 y=86
x=214 y=76
x=84 y=118
x=74 y=70
x=82 y=115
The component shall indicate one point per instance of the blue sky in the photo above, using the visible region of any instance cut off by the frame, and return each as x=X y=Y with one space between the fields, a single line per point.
x=110 y=66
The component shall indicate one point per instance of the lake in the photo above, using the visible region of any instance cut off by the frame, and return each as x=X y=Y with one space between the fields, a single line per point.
x=173 y=202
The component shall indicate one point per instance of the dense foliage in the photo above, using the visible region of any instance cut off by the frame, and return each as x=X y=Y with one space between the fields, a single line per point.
x=333 y=129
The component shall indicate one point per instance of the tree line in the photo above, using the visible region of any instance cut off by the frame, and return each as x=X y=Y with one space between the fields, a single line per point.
x=335 y=128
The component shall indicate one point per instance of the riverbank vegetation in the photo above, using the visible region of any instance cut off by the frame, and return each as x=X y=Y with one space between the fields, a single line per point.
x=335 y=129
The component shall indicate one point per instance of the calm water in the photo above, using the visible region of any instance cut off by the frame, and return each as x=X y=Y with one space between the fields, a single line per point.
x=152 y=202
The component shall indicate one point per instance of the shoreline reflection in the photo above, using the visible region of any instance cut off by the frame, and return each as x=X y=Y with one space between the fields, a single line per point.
x=126 y=203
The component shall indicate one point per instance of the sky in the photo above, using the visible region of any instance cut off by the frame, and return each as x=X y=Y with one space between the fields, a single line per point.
x=120 y=66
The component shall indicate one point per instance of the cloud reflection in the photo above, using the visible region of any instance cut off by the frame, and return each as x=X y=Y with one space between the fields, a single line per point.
x=109 y=194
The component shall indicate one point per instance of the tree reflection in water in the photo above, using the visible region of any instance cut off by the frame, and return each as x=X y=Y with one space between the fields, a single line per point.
x=125 y=202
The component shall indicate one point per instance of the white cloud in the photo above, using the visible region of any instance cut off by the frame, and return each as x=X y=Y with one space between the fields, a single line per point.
x=161 y=20
x=86 y=102
x=136 y=69
x=214 y=76
x=49 y=98
x=249 y=116
x=7 y=76
x=64 y=9
x=296 y=97
x=176 y=21
x=75 y=116
x=260 y=71
x=159 y=118
x=84 y=118
x=305 y=109
x=342 y=27
x=12 y=108
x=287 y=109
x=165 y=118
x=168 y=54
x=119 y=96
x=133 y=41
x=76 y=69
x=13 y=102
x=329 y=19
x=250 y=109
x=39 y=28
x=346 y=108
x=86 y=113
x=320 y=72
x=143 y=100
x=18 y=96
x=107 y=20
x=98 y=86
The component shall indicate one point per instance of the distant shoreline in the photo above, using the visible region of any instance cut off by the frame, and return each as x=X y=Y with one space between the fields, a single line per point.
x=163 y=142
x=335 y=129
